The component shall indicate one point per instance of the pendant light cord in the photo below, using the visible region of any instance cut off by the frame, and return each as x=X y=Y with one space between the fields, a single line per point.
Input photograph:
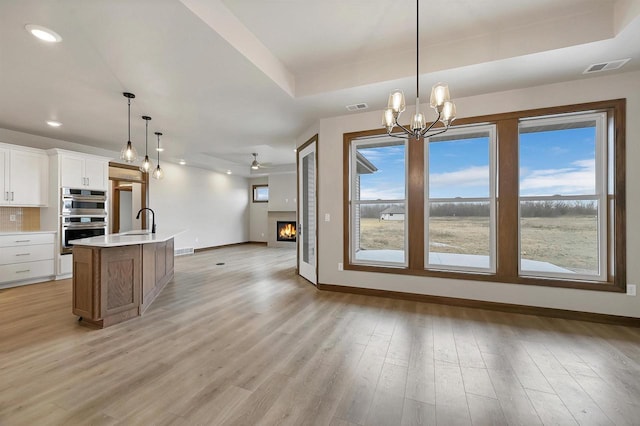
x=417 y=49
x=129 y=109
x=146 y=138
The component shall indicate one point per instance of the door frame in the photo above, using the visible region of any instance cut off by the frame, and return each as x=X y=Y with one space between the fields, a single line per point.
x=119 y=172
x=313 y=139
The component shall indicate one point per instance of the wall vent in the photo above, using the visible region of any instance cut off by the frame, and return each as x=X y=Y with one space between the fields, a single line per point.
x=357 y=107
x=183 y=251
x=606 y=66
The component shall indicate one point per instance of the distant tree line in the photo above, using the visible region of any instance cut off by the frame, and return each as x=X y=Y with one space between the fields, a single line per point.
x=527 y=209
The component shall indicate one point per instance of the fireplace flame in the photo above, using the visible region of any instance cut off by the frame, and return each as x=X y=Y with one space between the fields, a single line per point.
x=287 y=231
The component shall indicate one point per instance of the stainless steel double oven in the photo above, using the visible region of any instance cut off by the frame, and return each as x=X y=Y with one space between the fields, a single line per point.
x=83 y=214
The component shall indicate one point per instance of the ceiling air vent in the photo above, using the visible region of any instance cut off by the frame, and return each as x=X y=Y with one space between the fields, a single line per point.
x=606 y=66
x=357 y=107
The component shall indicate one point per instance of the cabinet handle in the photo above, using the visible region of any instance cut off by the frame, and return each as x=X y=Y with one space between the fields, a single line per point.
x=11 y=195
x=24 y=270
x=23 y=254
x=87 y=181
x=22 y=241
x=6 y=196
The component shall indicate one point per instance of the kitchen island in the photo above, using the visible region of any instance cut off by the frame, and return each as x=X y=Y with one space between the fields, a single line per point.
x=116 y=277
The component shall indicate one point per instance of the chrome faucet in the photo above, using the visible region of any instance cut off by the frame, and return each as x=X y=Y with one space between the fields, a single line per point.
x=153 y=218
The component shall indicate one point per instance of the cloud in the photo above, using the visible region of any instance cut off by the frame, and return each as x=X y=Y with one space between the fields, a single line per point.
x=577 y=180
x=390 y=193
x=470 y=177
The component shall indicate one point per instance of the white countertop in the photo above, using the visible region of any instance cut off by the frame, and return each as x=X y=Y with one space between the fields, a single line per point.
x=126 y=239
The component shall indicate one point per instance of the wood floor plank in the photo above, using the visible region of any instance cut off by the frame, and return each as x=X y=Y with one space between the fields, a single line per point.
x=250 y=342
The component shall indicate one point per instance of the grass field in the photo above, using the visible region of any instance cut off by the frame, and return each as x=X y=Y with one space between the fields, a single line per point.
x=566 y=241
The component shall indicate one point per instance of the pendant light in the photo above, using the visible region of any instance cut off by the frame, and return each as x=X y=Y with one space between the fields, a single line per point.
x=147 y=164
x=158 y=173
x=440 y=101
x=129 y=153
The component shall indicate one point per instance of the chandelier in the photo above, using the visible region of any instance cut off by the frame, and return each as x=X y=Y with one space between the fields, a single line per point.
x=439 y=101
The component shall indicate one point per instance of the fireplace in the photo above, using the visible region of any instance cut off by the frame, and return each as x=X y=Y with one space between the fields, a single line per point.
x=286 y=231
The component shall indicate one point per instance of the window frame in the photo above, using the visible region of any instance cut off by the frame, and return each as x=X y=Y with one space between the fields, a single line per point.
x=363 y=141
x=491 y=199
x=507 y=209
x=254 y=191
x=600 y=195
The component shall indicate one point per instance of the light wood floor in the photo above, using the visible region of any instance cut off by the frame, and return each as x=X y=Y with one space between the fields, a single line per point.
x=249 y=343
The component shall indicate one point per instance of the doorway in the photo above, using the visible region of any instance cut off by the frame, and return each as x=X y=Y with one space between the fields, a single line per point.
x=129 y=193
x=308 y=210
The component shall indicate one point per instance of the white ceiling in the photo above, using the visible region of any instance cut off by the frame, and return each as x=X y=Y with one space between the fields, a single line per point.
x=225 y=78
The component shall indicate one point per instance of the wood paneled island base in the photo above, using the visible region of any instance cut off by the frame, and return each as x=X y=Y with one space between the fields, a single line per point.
x=112 y=284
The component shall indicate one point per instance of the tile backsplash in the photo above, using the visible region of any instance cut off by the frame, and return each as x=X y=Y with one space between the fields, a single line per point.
x=24 y=219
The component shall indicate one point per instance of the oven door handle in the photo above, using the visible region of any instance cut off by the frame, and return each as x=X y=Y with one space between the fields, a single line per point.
x=98 y=198
x=85 y=225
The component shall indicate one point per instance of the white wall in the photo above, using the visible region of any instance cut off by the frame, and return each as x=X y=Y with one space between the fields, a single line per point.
x=282 y=192
x=330 y=201
x=257 y=213
x=212 y=208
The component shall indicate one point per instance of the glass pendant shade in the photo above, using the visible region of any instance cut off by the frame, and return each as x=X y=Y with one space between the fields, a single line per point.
x=129 y=153
x=448 y=113
x=158 y=173
x=388 y=119
x=147 y=165
x=417 y=122
x=439 y=95
x=396 y=101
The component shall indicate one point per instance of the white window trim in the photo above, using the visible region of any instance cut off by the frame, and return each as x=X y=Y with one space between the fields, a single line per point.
x=491 y=199
x=352 y=203
x=600 y=195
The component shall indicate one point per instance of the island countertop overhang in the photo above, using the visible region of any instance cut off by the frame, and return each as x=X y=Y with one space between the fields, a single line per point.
x=126 y=239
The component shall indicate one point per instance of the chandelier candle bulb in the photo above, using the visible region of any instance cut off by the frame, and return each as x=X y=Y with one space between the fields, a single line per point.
x=417 y=123
x=396 y=101
x=448 y=112
x=388 y=119
x=439 y=95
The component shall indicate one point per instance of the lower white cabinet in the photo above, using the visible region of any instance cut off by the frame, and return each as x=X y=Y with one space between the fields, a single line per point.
x=26 y=257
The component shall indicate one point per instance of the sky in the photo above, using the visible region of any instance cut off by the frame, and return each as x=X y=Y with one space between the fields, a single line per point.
x=560 y=162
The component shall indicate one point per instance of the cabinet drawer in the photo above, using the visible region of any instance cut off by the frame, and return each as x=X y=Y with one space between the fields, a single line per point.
x=25 y=239
x=25 y=271
x=21 y=254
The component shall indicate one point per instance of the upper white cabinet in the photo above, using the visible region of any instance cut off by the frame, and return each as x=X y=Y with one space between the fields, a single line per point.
x=24 y=177
x=78 y=171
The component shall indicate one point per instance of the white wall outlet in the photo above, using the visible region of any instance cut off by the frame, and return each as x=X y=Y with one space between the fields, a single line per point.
x=12 y=218
x=262 y=234
x=340 y=267
x=327 y=217
x=631 y=289
x=197 y=239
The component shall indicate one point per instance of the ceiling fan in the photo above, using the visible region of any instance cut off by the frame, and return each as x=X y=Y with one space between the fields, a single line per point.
x=256 y=165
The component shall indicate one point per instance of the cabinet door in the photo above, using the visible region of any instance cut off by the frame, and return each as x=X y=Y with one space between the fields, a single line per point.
x=28 y=188
x=96 y=173
x=71 y=172
x=5 y=196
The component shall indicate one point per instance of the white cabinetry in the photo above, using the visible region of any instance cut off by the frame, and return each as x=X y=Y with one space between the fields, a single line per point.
x=26 y=258
x=24 y=177
x=77 y=171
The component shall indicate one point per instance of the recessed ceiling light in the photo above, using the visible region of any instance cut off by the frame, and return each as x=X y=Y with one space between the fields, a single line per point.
x=182 y=162
x=54 y=123
x=228 y=172
x=44 y=34
x=159 y=149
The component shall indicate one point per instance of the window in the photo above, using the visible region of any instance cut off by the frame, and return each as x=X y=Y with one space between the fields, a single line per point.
x=460 y=210
x=378 y=208
x=563 y=215
x=260 y=193
x=527 y=197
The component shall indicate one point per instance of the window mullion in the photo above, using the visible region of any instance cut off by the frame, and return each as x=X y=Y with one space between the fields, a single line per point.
x=507 y=210
x=415 y=203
